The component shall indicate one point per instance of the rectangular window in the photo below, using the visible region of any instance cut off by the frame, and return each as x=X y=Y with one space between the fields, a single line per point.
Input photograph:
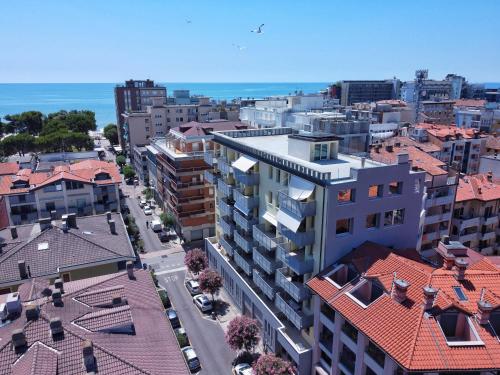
x=321 y=152
x=395 y=187
x=50 y=206
x=270 y=172
x=345 y=196
x=394 y=217
x=344 y=226
x=372 y=220
x=278 y=175
x=375 y=191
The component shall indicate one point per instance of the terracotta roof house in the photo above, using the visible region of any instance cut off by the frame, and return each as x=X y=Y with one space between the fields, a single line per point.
x=391 y=312
x=7 y=169
x=71 y=249
x=113 y=324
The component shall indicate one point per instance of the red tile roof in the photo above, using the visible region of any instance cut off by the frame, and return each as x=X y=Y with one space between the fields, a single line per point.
x=405 y=331
x=8 y=168
x=493 y=142
x=478 y=187
x=451 y=131
x=478 y=103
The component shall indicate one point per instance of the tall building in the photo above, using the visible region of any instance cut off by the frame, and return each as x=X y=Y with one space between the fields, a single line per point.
x=380 y=311
x=437 y=111
x=135 y=95
x=289 y=205
x=368 y=91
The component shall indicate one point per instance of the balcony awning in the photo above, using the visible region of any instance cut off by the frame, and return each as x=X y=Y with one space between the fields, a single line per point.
x=270 y=218
x=288 y=221
x=240 y=207
x=299 y=188
x=244 y=163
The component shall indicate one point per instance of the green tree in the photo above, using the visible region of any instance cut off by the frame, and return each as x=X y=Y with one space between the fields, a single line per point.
x=110 y=132
x=121 y=160
x=167 y=219
x=78 y=121
x=128 y=172
x=18 y=143
x=26 y=122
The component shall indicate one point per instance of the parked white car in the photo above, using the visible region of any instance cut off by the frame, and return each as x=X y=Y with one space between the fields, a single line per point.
x=202 y=302
x=143 y=203
x=242 y=369
x=193 y=287
x=147 y=210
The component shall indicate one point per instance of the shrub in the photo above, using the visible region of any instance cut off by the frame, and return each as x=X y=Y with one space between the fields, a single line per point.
x=242 y=333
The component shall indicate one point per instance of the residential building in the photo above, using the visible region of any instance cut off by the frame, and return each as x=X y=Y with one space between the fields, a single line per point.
x=289 y=205
x=458 y=84
x=391 y=111
x=71 y=249
x=180 y=176
x=493 y=145
x=380 y=132
x=459 y=148
x=477 y=114
x=429 y=90
x=475 y=217
x=368 y=91
x=135 y=95
x=86 y=188
x=9 y=169
x=113 y=324
x=490 y=163
x=140 y=162
x=437 y=111
x=151 y=153
x=381 y=311
x=440 y=187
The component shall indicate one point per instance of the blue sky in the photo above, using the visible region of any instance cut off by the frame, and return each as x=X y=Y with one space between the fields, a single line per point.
x=318 y=41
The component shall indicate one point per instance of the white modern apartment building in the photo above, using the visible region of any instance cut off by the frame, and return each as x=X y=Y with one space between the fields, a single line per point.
x=288 y=205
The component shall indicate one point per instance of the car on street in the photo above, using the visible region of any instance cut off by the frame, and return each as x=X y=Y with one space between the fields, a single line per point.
x=147 y=210
x=182 y=336
x=242 y=369
x=143 y=203
x=173 y=318
x=202 y=302
x=162 y=292
x=156 y=225
x=193 y=287
x=163 y=235
x=191 y=358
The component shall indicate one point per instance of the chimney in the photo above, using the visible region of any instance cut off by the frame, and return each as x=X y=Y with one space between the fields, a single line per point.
x=399 y=288
x=59 y=284
x=130 y=270
x=31 y=312
x=429 y=296
x=23 y=274
x=72 y=220
x=108 y=215
x=18 y=339
x=53 y=214
x=489 y=176
x=57 y=297
x=13 y=232
x=45 y=223
x=461 y=265
x=88 y=356
x=112 y=226
x=56 y=327
x=65 y=226
x=389 y=148
x=484 y=309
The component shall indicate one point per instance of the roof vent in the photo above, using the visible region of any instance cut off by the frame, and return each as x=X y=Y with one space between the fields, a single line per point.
x=18 y=339
x=89 y=362
x=461 y=265
x=13 y=232
x=64 y=226
x=57 y=297
x=71 y=220
x=399 y=289
x=429 y=296
x=56 y=327
x=59 y=284
x=108 y=215
x=484 y=309
x=31 y=312
x=130 y=270
x=112 y=226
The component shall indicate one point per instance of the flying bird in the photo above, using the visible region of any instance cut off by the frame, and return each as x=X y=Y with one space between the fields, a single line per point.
x=240 y=48
x=188 y=21
x=258 y=30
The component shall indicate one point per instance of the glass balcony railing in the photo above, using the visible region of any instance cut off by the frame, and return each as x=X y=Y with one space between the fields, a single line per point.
x=228 y=245
x=244 y=222
x=268 y=240
x=299 y=238
x=209 y=158
x=295 y=259
x=245 y=203
x=224 y=165
x=244 y=262
x=227 y=226
x=293 y=312
x=225 y=190
x=248 y=179
x=265 y=262
x=264 y=283
x=225 y=208
x=244 y=242
x=210 y=177
x=295 y=289
x=297 y=208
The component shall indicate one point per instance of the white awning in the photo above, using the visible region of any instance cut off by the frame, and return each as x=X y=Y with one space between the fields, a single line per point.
x=270 y=218
x=244 y=163
x=299 y=188
x=288 y=221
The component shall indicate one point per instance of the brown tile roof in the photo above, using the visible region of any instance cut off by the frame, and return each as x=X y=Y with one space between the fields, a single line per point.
x=493 y=142
x=8 y=168
x=451 y=131
x=151 y=349
x=478 y=103
x=478 y=187
x=404 y=330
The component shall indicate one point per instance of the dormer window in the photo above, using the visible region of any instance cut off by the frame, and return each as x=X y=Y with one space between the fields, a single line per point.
x=366 y=292
x=102 y=176
x=341 y=275
x=495 y=322
x=458 y=329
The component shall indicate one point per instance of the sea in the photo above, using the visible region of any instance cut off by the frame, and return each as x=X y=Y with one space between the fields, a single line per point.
x=99 y=97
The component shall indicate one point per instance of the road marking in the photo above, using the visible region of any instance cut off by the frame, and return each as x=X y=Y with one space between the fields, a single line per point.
x=170 y=271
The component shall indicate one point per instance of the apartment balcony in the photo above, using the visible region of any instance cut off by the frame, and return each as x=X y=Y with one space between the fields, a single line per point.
x=244 y=262
x=487 y=250
x=244 y=222
x=292 y=312
x=431 y=236
x=228 y=245
x=249 y=179
x=210 y=176
x=245 y=242
x=295 y=259
x=469 y=237
x=18 y=219
x=439 y=201
x=267 y=240
x=295 y=289
x=225 y=190
x=22 y=199
x=245 y=203
x=489 y=235
x=265 y=284
x=297 y=208
x=492 y=220
x=437 y=218
x=209 y=158
x=227 y=226
x=267 y=263
x=224 y=165
x=225 y=208
x=467 y=222
x=299 y=238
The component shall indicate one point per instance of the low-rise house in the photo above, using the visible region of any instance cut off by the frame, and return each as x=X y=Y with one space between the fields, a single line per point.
x=475 y=217
x=86 y=188
x=380 y=311
x=113 y=324
x=72 y=249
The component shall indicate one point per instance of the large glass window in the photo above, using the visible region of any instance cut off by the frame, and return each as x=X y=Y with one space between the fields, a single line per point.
x=344 y=226
x=372 y=220
x=321 y=151
x=395 y=188
x=346 y=195
x=394 y=217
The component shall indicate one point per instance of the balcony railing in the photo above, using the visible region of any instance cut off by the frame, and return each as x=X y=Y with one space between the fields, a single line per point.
x=265 y=284
x=265 y=262
x=432 y=219
x=27 y=198
x=210 y=177
x=300 y=239
x=244 y=242
x=225 y=208
x=248 y=179
x=228 y=245
x=244 y=262
x=226 y=226
x=293 y=312
x=296 y=208
x=224 y=165
x=295 y=259
x=466 y=222
x=244 y=222
x=267 y=240
x=491 y=220
x=295 y=289
x=243 y=202
x=209 y=158
x=225 y=190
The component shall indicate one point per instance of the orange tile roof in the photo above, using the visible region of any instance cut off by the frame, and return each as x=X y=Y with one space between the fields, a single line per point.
x=8 y=168
x=406 y=332
x=442 y=131
x=493 y=142
x=479 y=103
x=478 y=187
